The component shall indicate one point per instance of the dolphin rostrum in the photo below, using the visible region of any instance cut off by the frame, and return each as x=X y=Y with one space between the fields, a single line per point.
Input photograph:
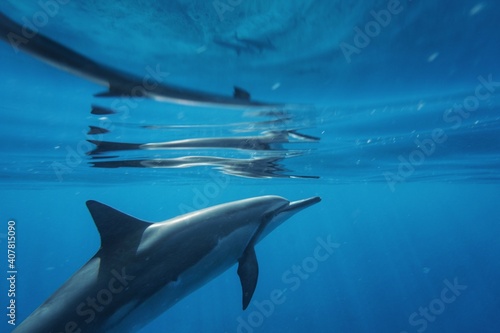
x=142 y=268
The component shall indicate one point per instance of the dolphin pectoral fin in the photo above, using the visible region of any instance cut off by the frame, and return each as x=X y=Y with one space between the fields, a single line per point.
x=248 y=271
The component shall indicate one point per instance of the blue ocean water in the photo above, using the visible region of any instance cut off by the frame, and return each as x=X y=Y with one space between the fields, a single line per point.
x=392 y=117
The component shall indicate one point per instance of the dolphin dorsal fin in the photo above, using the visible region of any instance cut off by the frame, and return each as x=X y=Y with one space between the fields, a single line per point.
x=241 y=94
x=114 y=225
x=248 y=271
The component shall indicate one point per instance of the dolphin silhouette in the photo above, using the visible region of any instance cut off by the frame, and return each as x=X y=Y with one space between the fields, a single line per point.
x=119 y=83
x=142 y=268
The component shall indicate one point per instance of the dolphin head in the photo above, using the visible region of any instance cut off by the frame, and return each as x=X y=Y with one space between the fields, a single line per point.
x=279 y=210
x=274 y=210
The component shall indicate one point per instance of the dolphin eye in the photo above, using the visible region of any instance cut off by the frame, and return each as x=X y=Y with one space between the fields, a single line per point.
x=268 y=216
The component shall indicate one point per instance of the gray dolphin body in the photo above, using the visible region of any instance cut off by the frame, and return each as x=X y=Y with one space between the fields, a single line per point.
x=118 y=82
x=142 y=268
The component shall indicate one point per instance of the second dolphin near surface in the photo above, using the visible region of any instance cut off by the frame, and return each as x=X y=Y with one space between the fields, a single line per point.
x=142 y=268
x=117 y=82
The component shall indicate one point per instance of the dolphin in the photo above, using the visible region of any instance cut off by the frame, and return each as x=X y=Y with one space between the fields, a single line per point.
x=119 y=83
x=253 y=167
x=269 y=140
x=141 y=268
